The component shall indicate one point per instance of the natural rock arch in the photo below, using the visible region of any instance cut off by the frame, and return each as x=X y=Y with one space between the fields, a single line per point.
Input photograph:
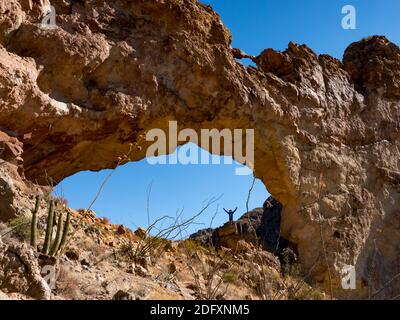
x=77 y=96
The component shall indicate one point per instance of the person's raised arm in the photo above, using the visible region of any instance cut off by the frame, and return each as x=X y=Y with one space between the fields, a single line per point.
x=235 y=210
x=225 y=210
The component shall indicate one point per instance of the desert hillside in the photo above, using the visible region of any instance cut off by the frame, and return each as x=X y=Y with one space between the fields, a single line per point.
x=104 y=261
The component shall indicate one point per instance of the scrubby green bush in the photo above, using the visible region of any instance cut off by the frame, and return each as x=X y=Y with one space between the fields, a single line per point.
x=21 y=226
x=230 y=277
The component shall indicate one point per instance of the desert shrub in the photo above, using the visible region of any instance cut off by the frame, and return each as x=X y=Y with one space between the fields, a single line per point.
x=291 y=267
x=230 y=277
x=67 y=284
x=306 y=293
x=147 y=249
x=21 y=226
x=292 y=270
x=127 y=250
x=263 y=281
x=158 y=236
x=61 y=201
x=212 y=275
x=161 y=232
x=190 y=246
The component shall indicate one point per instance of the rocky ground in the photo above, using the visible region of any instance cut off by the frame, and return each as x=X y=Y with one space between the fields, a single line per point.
x=99 y=262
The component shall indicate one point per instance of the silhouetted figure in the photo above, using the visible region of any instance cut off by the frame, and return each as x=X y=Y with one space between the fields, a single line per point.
x=230 y=212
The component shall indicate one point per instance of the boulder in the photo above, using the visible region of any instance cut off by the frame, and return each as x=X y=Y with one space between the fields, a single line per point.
x=3 y=296
x=123 y=295
x=141 y=233
x=20 y=271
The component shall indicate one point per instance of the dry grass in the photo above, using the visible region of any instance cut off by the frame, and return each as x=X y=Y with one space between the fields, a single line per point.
x=211 y=271
x=307 y=293
x=158 y=236
x=191 y=246
x=67 y=284
x=21 y=226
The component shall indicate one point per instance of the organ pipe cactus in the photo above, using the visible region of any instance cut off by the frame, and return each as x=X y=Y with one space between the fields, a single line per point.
x=34 y=223
x=57 y=240
x=49 y=228
x=65 y=232
x=51 y=248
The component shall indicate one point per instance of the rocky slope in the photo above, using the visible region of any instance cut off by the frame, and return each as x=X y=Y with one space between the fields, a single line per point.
x=327 y=132
x=260 y=227
x=99 y=263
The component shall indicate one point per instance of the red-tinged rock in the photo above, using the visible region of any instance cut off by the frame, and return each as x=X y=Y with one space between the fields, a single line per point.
x=121 y=230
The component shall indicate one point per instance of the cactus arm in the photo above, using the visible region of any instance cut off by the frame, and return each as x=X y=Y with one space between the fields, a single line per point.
x=57 y=241
x=49 y=228
x=65 y=232
x=34 y=223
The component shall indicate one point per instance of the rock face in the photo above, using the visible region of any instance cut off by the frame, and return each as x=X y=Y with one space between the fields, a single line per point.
x=270 y=225
x=260 y=226
x=16 y=194
x=326 y=132
x=232 y=235
x=20 y=271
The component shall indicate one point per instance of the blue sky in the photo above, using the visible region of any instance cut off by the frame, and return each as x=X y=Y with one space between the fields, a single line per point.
x=260 y=24
x=172 y=188
x=255 y=25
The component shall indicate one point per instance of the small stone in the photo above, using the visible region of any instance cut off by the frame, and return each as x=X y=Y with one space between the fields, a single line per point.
x=144 y=262
x=168 y=247
x=3 y=296
x=84 y=262
x=172 y=268
x=191 y=286
x=131 y=269
x=220 y=296
x=172 y=287
x=72 y=254
x=140 y=271
x=121 y=230
x=141 y=233
x=40 y=289
x=45 y=260
x=123 y=295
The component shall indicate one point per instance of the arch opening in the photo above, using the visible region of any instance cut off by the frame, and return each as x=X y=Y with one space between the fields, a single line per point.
x=140 y=192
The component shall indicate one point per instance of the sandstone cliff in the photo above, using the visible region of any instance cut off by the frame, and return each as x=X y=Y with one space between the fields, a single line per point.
x=327 y=132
